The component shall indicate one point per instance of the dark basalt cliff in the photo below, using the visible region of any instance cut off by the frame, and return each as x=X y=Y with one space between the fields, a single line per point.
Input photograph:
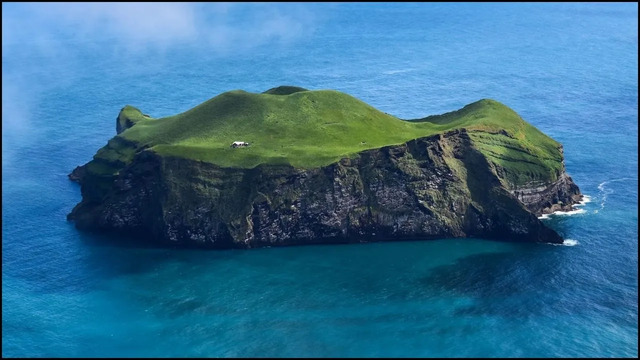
x=433 y=187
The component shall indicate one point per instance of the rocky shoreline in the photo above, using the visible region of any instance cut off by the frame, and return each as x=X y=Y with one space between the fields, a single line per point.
x=541 y=198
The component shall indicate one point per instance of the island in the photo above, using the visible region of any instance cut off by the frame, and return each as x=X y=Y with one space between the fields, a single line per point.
x=291 y=166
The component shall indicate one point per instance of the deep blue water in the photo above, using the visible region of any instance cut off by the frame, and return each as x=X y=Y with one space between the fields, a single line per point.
x=569 y=69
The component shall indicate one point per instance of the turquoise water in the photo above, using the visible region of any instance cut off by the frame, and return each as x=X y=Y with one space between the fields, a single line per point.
x=569 y=69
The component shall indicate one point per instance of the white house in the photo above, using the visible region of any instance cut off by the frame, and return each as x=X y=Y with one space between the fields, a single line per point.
x=236 y=144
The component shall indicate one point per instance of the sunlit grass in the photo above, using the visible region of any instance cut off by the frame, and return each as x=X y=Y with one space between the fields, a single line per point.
x=301 y=128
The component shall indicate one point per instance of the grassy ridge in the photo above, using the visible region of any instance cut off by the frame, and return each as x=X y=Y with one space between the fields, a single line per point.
x=522 y=152
x=290 y=125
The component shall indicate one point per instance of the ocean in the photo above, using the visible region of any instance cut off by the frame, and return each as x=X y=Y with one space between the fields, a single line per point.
x=570 y=69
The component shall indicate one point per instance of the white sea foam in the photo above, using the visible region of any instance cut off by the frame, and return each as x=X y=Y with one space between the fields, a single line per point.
x=567 y=242
x=569 y=213
x=585 y=199
x=391 y=72
x=562 y=213
x=606 y=191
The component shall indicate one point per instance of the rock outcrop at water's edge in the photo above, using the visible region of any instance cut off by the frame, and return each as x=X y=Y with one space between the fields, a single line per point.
x=541 y=198
x=437 y=186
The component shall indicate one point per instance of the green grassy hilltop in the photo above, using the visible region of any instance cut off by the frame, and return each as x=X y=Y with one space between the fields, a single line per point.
x=302 y=128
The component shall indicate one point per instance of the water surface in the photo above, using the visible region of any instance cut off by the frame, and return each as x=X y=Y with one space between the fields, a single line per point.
x=569 y=69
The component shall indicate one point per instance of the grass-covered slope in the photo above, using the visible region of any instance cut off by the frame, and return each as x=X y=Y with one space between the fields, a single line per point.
x=520 y=152
x=302 y=128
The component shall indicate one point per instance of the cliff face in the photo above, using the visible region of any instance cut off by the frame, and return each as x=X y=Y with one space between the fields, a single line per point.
x=545 y=198
x=432 y=187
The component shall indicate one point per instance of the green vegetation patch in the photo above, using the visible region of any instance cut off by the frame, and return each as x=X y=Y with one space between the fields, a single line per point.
x=293 y=126
x=128 y=117
x=117 y=150
x=519 y=164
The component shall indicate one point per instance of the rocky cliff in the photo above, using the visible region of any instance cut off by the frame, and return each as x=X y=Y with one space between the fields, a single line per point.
x=434 y=187
x=545 y=198
x=480 y=171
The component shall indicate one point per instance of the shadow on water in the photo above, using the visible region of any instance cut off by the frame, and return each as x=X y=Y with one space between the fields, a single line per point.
x=540 y=281
x=139 y=256
x=84 y=261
